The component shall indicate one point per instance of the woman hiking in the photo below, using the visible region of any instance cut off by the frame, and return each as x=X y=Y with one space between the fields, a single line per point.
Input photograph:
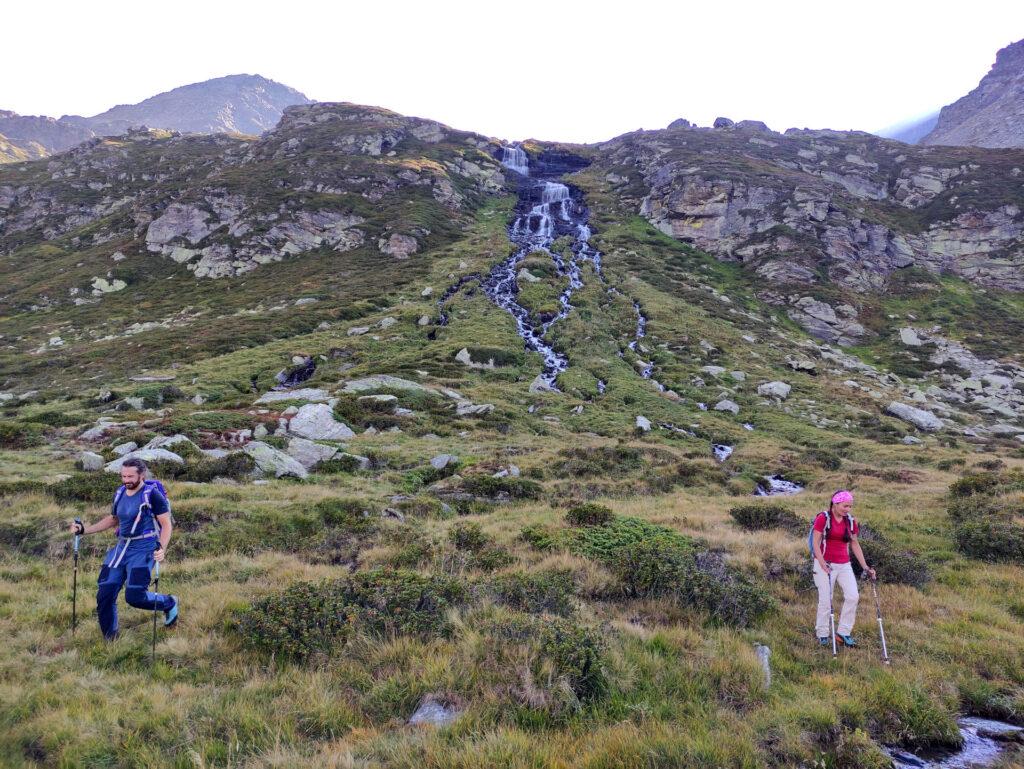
x=833 y=536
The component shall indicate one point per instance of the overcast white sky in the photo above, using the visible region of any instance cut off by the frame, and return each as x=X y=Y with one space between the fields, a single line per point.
x=572 y=71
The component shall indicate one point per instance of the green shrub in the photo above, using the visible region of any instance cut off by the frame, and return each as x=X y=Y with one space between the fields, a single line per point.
x=351 y=514
x=572 y=652
x=970 y=485
x=891 y=564
x=10 y=488
x=498 y=355
x=589 y=514
x=539 y=592
x=541 y=537
x=469 y=536
x=599 y=461
x=759 y=517
x=60 y=419
x=602 y=543
x=155 y=395
x=823 y=458
x=95 y=488
x=498 y=488
x=309 y=619
x=20 y=435
x=949 y=464
x=994 y=538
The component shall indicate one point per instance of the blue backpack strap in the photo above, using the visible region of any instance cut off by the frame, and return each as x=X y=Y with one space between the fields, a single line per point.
x=117 y=498
x=824 y=534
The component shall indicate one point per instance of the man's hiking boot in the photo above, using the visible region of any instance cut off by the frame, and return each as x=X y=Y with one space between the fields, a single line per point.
x=846 y=640
x=171 y=615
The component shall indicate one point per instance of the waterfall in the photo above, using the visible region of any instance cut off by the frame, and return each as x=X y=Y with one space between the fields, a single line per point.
x=514 y=158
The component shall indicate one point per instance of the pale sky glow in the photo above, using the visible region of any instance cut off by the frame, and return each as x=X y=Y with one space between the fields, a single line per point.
x=570 y=71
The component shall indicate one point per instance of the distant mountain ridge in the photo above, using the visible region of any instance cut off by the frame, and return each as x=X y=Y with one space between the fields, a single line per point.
x=248 y=104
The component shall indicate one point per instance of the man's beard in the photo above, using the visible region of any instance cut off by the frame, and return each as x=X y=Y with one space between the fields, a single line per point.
x=132 y=486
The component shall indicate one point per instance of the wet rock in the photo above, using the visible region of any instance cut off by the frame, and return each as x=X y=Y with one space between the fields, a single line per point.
x=90 y=461
x=316 y=421
x=271 y=461
x=920 y=418
x=727 y=405
x=527 y=276
x=776 y=389
x=147 y=455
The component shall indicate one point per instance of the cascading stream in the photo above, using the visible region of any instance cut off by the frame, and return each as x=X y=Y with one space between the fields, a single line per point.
x=546 y=211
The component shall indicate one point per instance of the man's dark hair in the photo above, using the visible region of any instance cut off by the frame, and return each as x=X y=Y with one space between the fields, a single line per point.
x=138 y=464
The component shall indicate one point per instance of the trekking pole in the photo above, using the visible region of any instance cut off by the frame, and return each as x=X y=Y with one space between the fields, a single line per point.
x=881 y=629
x=156 y=589
x=74 y=579
x=831 y=613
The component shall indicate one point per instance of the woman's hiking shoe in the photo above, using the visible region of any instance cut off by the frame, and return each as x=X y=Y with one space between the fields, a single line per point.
x=847 y=640
x=823 y=641
x=171 y=615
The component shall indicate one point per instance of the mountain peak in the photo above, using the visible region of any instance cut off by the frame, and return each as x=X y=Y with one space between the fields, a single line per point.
x=992 y=115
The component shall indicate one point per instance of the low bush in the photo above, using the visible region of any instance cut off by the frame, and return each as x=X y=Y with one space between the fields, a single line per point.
x=95 y=488
x=994 y=538
x=539 y=592
x=572 y=653
x=10 y=488
x=891 y=564
x=971 y=485
x=20 y=435
x=602 y=543
x=309 y=619
x=540 y=536
x=759 y=517
x=59 y=419
x=498 y=488
x=589 y=514
x=823 y=458
x=486 y=555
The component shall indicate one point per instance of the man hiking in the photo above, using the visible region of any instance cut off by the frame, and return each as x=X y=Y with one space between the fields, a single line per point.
x=837 y=530
x=142 y=515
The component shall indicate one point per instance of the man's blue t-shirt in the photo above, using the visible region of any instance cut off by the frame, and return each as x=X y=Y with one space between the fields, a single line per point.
x=128 y=508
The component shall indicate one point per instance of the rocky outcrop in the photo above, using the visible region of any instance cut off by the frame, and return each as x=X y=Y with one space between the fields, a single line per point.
x=316 y=421
x=920 y=418
x=992 y=115
x=848 y=207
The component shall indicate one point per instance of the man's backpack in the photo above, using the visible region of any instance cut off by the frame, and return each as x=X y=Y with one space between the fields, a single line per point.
x=851 y=524
x=148 y=487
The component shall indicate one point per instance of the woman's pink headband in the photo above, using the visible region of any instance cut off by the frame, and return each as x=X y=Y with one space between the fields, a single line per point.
x=842 y=496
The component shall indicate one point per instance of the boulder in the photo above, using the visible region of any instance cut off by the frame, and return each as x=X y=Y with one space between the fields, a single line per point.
x=727 y=405
x=776 y=389
x=311 y=394
x=738 y=376
x=166 y=441
x=434 y=711
x=920 y=418
x=463 y=357
x=90 y=461
x=713 y=370
x=910 y=338
x=643 y=424
x=123 y=448
x=441 y=461
x=382 y=382
x=308 y=453
x=271 y=461
x=147 y=455
x=723 y=122
x=386 y=323
x=467 y=409
x=316 y=421
x=398 y=245
x=379 y=398
x=423 y=321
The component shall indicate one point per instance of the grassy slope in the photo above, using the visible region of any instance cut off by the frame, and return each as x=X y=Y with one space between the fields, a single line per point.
x=681 y=693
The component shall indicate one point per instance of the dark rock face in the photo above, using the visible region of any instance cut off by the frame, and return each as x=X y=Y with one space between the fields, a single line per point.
x=992 y=115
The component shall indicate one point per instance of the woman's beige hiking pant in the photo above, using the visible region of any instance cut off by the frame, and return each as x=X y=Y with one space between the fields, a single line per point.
x=842 y=575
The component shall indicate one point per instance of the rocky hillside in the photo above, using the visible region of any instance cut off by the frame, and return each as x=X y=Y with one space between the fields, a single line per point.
x=992 y=115
x=813 y=207
x=463 y=440
x=246 y=104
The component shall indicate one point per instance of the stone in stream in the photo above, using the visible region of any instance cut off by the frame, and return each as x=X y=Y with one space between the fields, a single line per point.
x=777 y=486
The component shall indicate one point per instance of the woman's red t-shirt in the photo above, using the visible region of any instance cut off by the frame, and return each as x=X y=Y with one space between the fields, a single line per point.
x=836 y=550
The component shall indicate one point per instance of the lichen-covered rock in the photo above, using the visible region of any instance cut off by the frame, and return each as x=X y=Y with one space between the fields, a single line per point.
x=316 y=421
x=920 y=418
x=271 y=461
